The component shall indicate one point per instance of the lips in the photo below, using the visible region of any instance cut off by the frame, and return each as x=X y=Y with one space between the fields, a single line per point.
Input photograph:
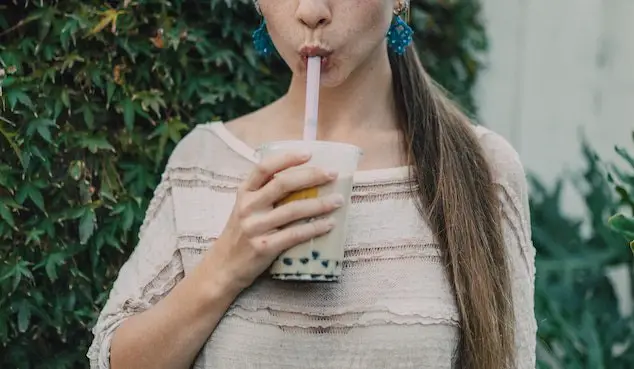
x=312 y=51
x=309 y=51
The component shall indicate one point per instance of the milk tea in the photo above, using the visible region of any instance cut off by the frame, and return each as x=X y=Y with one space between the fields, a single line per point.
x=321 y=258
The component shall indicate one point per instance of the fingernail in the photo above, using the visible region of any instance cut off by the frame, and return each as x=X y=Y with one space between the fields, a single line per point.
x=330 y=223
x=304 y=155
x=337 y=200
x=332 y=174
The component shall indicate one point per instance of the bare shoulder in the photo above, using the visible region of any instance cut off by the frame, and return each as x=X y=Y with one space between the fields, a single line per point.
x=263 y=125
x=505 y=162
x=244 y=126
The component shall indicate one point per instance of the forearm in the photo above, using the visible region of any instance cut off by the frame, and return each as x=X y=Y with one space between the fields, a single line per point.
x=170 y=334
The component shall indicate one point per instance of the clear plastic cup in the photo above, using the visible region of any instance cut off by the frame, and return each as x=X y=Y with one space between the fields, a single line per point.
x=320 y=259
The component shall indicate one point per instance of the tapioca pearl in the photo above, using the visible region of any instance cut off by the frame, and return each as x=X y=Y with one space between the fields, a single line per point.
x=288 y=261
x=304 y=260
x=325 y=263
x=315 y=255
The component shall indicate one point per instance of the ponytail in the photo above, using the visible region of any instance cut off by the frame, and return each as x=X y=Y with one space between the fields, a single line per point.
x=456 y=195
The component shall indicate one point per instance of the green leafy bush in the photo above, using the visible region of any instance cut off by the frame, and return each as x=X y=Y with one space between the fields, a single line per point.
x=580 y=324
x=624 y=185
x=94 y=96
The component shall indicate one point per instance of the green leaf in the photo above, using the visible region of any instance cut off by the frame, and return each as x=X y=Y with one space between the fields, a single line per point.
x=5 y=213
x=89 y=118
x=71 y=302
x=151 y=100
x=108 y=17
x=623 y=225
x=22 y=194
x=40 y=183
x=625 y=155
x=57 y=111
x=13 y=96
x=76 y=169
x=107 y=194
x=25 y=100
x=128 y=113
x=171 y=129
x=87 y=225
x=70 y=60
x=33 y=236
x=11 y=203
x=110 y=87
x=24 y=316
x=42 y=126
x=29 y=190
x=118 y=209
x=45 y=23
x=26 y=160
x=21 y=270
x=590 y=334
x=128 y=218
x=36 y=196
x=70 y=213
x=68 y=32
x=7 y=274
x=176 y=128
x=52 y=262
x=96 y=143
x=7 y=81
x=9 y=137
x=65 y=98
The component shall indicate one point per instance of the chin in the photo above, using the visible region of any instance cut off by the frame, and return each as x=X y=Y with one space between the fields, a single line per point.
x=334 y=77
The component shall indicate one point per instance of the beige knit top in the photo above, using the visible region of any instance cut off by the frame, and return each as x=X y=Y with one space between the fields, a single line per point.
x=393 y=307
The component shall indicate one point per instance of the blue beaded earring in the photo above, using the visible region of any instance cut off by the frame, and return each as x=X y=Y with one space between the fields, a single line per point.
x=399 y=36
x=262 y=41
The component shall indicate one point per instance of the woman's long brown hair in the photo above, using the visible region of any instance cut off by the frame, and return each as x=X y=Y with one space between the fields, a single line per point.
x=456 y=195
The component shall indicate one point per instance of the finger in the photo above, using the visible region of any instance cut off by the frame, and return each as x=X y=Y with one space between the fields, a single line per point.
x=298 y=233
x=292 y=212
x=269 y=166
x=292 y=181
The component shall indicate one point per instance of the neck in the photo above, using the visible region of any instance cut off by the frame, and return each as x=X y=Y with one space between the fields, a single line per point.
x=364 y=101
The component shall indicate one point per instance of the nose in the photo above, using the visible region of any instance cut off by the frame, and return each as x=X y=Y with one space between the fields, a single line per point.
x=314 y=13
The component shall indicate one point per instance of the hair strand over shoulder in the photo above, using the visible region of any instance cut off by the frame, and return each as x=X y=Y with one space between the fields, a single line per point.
x=457 y=196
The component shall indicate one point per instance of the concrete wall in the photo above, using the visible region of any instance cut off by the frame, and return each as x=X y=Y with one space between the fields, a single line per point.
x=557 y=69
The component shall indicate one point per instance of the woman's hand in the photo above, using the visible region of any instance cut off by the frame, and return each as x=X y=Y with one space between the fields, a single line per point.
x=255 y=234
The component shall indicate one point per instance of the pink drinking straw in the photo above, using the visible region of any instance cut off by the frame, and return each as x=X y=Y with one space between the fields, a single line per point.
x=312 y=98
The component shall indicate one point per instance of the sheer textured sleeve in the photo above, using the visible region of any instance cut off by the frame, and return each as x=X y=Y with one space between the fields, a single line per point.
x=510 y=178
x=152 y=270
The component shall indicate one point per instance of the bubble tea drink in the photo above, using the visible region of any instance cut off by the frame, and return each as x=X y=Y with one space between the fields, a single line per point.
x=321 y=258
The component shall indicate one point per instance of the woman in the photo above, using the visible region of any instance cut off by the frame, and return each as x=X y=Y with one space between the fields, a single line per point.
x=439 y=263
